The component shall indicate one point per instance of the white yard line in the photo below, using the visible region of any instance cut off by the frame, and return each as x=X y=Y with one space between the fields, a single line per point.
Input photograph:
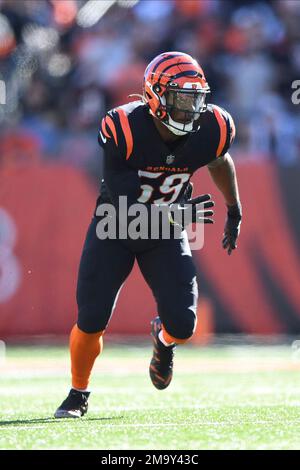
x=161 y=425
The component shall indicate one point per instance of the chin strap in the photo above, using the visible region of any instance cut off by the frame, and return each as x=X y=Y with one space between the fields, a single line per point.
x=174 y=130
x=174 y=126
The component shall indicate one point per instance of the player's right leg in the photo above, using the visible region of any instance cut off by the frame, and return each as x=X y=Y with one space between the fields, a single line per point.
x=104 y=266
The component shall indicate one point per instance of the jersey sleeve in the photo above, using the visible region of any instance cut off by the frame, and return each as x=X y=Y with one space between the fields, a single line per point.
x=115 y=133
x=108 y=137
x=226 y=128
x=120 y=179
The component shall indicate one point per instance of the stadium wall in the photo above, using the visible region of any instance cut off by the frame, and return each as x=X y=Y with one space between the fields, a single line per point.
x=46 y=208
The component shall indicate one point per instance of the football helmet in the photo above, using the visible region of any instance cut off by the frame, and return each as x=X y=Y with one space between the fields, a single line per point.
x=175 y=89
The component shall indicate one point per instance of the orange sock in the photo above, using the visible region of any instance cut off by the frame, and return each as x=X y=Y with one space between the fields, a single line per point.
x=84 y=348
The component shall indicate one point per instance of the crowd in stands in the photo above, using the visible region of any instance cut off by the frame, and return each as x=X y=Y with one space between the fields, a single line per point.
x=64 y=62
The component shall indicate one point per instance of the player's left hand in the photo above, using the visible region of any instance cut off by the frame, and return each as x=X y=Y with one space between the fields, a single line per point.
x=232 y=227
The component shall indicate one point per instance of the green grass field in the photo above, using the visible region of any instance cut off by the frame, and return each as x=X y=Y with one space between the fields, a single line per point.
x=233 y=397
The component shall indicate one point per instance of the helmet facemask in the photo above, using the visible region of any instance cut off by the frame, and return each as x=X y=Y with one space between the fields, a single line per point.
x=183 y=109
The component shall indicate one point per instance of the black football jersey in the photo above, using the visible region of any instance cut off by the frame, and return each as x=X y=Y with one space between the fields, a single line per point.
x=140 y=165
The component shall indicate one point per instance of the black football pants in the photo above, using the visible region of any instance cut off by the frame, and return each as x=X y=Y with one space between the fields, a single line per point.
x=166 y=265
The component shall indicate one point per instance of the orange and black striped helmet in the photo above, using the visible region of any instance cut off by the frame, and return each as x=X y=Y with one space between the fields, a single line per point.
x=175 y=89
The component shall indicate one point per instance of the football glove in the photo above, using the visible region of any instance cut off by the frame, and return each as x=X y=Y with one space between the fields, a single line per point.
x=232 y=227
x=197 y=205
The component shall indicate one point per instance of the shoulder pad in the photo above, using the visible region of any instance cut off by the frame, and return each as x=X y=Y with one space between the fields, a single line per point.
x=115 y=129
x=226 y=129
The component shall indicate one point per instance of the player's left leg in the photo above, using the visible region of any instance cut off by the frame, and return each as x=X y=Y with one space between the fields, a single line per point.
x=170 y=272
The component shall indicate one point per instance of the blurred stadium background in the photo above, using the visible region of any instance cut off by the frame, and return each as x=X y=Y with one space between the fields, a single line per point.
x=62 y=64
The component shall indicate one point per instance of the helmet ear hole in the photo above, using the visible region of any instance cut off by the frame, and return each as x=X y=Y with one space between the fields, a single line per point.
x=157 y=88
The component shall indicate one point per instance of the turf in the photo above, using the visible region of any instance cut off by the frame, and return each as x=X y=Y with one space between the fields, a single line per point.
x=237 y=397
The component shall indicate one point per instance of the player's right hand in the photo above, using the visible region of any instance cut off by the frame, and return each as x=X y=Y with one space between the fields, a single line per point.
x=197 y=208
x=199 y=205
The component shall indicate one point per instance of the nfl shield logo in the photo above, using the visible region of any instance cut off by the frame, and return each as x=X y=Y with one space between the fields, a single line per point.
x=170 y=159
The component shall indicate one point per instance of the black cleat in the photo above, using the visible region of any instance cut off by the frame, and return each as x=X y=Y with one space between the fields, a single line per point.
x=161 y=365
x=74 y=406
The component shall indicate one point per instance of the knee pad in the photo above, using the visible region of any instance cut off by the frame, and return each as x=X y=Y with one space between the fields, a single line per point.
x=90 y=320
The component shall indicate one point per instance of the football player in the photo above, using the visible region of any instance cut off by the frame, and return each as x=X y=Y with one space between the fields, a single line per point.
x=152 y=147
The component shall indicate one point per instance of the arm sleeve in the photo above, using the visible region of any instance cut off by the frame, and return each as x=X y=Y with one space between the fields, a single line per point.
x=120 y=179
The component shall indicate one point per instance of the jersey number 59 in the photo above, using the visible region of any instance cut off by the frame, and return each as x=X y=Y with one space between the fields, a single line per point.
x=170 y=186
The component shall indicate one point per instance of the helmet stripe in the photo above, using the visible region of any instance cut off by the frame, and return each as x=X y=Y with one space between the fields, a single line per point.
x=171 y=66
x=171 y=61
x=164 y=59
x=188 y=73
